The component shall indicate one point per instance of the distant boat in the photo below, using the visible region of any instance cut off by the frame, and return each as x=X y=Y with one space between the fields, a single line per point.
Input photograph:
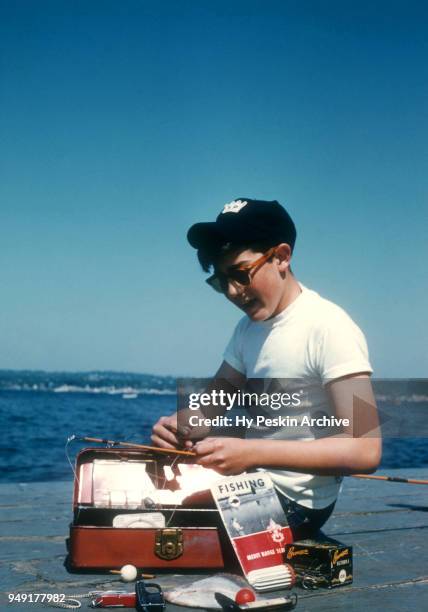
x=129 y=395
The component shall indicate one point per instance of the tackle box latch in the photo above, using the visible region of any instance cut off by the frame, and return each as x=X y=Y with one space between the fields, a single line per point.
x=169 y=543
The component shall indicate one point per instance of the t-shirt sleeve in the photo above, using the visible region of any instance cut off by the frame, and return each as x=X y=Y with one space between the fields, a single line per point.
x=233 y=353
x=342 y=348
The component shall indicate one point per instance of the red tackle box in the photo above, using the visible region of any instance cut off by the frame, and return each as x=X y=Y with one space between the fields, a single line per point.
x=135 y=507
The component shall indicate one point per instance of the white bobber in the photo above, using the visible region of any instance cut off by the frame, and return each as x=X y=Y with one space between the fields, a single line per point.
x=128 y=573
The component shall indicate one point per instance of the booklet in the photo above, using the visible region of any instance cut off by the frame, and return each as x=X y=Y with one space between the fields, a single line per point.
x=257 y=527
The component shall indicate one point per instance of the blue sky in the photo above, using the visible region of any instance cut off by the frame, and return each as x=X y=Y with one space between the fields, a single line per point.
x=122 y=123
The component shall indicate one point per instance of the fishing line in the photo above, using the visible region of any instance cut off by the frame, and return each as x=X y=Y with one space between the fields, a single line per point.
x=176 y=506
x=69 y=440
x=71 y=602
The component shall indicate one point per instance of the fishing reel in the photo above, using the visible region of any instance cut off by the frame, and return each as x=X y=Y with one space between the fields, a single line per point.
x=149 y=597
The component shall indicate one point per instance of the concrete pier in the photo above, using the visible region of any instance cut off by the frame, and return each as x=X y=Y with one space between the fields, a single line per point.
x=386 y=523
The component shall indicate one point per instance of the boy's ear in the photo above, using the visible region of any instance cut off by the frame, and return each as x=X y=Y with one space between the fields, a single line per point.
x=283 y=255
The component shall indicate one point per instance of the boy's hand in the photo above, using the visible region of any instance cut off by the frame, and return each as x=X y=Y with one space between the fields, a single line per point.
x=227 y=456
x=165 y=433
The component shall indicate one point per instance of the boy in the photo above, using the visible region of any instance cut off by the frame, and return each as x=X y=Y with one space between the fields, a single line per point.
x=288 y=332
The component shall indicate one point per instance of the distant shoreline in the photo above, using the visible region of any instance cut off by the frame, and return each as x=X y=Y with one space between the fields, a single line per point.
x=393 y=391
x=112 y=383
x=128 y=391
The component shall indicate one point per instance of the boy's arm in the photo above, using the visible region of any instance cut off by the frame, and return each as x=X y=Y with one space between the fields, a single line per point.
x=357 y=449
x=165 y=432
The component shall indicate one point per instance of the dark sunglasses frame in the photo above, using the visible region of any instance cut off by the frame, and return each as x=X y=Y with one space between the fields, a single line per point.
x=239 y=275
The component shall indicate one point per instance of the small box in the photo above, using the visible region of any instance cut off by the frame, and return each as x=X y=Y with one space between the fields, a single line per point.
x=324 y=563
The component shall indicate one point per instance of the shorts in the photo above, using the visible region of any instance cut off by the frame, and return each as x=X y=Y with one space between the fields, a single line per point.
x=304 y=522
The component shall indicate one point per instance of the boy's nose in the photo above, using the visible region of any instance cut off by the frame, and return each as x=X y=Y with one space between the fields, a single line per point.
x=233 y=290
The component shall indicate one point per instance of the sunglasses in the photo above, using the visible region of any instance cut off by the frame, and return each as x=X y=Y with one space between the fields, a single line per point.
x=239 y=275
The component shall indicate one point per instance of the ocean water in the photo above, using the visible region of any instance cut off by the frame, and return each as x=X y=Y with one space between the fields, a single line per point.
x=35 y=427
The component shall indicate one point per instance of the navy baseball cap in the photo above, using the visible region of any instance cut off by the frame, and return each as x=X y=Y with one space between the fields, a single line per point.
x=244 y=221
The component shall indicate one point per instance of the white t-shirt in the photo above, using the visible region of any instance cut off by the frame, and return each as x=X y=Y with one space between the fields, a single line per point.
x=308 y=344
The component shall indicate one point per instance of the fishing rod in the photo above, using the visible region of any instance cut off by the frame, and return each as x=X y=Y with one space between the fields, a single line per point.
x=154 y=449
x=174 y=451
x=391 y=479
